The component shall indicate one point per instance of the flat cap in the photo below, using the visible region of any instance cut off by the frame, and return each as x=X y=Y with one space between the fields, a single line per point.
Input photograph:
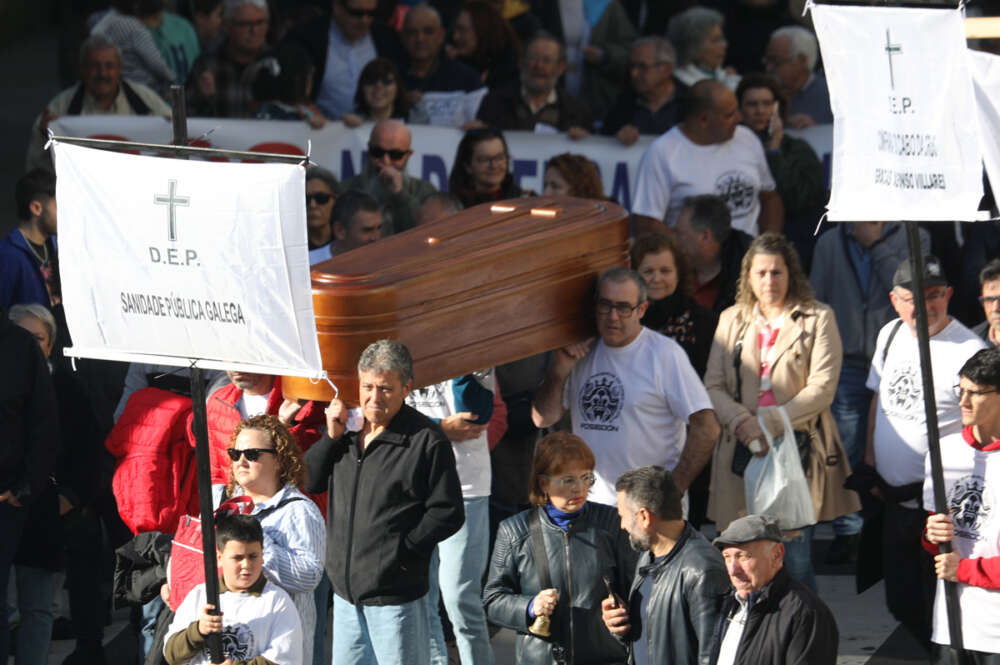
x=748 y=529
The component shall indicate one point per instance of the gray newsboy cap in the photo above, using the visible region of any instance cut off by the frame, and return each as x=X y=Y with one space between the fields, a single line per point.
x=748 y=529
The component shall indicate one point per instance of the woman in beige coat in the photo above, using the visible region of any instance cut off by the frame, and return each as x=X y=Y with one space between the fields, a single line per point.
x=777 y=347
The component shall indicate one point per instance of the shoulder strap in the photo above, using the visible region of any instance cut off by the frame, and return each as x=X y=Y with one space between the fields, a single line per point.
x=281 y=504
x=738 y=361
x=888 y=342
x=538 y=549
x=76 y=103
x=134 y=100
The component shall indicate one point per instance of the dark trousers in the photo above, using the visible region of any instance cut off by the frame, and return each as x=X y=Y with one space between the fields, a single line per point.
x=909 y=570
x=11 y=523
x=942 y=655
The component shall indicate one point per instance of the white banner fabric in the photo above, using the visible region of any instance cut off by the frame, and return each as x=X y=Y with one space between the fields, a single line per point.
x=185 y=260
x=342 y=150
x=905 y=145
x=986 y=79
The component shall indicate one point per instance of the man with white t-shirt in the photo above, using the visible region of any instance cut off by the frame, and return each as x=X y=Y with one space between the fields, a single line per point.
x=971 y=466
x=633 y=395
x=897 y=433
x=462 y=407
x=708 y=153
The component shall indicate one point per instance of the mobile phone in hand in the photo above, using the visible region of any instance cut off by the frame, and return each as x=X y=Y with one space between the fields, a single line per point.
x=611 y=592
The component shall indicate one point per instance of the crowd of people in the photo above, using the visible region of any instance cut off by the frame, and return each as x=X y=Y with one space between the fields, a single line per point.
x=564 y=496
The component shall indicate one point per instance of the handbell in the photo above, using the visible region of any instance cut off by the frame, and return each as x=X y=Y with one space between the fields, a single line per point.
x=541 y=626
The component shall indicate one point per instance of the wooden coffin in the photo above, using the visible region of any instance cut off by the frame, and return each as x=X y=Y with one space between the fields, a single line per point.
x=492 y=284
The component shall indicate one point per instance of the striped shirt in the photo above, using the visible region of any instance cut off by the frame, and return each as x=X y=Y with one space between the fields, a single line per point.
x=141 y=60
x=294 y=548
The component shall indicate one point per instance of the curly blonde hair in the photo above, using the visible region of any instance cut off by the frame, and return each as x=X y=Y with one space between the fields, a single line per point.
x=289 y=455
x=800 y=292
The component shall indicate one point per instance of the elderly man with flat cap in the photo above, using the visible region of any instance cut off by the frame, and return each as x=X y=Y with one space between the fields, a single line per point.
x=770 y=617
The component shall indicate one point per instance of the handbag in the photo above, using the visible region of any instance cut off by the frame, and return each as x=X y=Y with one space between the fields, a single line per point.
x=775 y=484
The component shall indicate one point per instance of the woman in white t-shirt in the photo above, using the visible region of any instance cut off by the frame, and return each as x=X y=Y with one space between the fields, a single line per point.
x=777 y=347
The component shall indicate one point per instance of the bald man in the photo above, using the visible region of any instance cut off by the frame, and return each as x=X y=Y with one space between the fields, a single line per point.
x=384 y=177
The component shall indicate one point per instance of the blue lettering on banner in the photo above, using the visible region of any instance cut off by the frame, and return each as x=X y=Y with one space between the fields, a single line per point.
x=620 y=190
x=347 y=164
x=433 y=165
x=524 y=168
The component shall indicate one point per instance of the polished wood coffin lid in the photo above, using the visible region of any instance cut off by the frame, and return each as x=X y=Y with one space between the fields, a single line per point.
x=489 y=285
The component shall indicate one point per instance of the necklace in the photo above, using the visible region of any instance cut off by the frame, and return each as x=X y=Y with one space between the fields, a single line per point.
x=42 y=258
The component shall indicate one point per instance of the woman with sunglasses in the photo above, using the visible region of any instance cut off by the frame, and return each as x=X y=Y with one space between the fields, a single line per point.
x=379 y=95
x=585 y=552
x=322 y=190
x=267 y=467
x=481 y=172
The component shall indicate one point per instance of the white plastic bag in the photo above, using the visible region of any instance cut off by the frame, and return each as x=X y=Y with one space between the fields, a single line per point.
x=775 y=484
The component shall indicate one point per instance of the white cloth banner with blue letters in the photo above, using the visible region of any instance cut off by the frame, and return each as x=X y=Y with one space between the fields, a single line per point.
x=905 y=135
x=169 y=261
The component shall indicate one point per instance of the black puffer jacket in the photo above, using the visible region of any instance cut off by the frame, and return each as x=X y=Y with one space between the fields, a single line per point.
x=594 y=546
x=787 y=625
x=690 y=584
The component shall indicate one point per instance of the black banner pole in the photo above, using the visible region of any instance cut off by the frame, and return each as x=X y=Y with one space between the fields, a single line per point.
x=930 y=409
x=203 y=462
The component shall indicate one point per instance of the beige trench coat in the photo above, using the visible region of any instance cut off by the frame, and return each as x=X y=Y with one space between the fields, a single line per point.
x=804 y=375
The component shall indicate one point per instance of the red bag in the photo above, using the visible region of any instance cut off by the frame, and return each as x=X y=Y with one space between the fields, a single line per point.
x=186 y=568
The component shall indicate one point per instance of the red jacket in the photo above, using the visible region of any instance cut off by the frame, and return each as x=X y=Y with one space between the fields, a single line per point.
x=155 y=481
x=223 y=416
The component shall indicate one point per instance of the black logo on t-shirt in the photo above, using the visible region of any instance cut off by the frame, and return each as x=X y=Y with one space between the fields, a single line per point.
x=601 y=401
x=905 y=395
x=238 y=642
x=969 y=507
x=738 y=190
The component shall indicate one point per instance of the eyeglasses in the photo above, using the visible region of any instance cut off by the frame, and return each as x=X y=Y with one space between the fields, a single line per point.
x=495 y=160
x=566 y=482
x=250 y=25
x=252 y=454
x=319 y=197
x=376 y=152
x=360 y=13
x=961 y=392
x=623 y=309
x=937 y=294
x=384 y=80
x=989 y=300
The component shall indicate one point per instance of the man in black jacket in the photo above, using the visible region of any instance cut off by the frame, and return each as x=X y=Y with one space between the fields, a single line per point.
x=680 y=579
x=394 y=494
x=29 y=436
x=770 y=618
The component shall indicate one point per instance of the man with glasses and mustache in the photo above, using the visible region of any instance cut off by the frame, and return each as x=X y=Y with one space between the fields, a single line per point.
x=632 y=393
x=340 y=45
x=989 y=298
x=384 y=176
x=219 y=85
x=897 y=433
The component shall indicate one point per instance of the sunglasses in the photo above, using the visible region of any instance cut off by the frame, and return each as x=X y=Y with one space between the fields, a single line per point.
x=360 y=13
x=252 y=454
x=378 y=153
x=319 y=197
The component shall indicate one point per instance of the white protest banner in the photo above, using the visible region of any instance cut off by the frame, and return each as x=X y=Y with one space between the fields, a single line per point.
x=905 y=142
x=450 y=109
x=168 y=260
x=986 y=79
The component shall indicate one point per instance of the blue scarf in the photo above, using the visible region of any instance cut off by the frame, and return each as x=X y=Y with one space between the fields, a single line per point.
x=562 y=519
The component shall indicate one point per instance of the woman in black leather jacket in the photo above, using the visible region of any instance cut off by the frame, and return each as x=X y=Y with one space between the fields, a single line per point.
x=583 y=544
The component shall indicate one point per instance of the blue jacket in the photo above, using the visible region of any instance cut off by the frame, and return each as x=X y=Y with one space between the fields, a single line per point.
x=20 y=280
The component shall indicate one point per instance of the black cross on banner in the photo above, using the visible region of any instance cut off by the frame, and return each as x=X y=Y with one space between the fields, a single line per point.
x=172 y=201
x=891 y=50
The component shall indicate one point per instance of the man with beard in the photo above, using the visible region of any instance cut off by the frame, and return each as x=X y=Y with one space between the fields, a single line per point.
x=680 y=580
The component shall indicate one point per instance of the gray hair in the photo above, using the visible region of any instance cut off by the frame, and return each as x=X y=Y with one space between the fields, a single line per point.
x=97 y=42
x=663 y=50
x=315 y=172
x=387 y=355
x=229 y=7
x=18 y=313
x=709 y=211
x=449 y=203
x=425 y=7
x=688 y=30
x=803 y=43
x=618 y=275
x=652 y=488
